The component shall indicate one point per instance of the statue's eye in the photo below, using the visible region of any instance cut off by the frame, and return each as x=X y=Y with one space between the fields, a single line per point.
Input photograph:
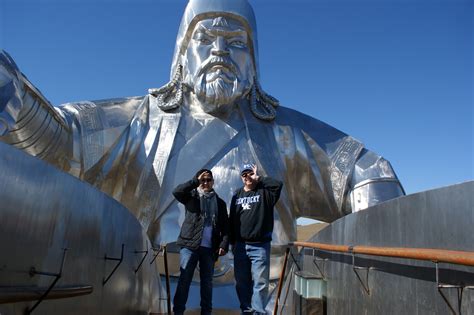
x=237 y=43
x=203 y=39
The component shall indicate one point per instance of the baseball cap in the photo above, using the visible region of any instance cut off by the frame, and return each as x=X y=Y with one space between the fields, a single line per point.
x=246 y=167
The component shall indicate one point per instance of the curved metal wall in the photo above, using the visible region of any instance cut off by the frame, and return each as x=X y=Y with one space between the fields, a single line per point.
x=442 y=218
x=43 y=211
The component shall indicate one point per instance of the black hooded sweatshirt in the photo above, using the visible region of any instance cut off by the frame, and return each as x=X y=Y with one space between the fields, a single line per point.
x=251 y=212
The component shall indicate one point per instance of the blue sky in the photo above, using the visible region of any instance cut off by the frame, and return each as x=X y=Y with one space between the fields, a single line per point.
x=397 y=75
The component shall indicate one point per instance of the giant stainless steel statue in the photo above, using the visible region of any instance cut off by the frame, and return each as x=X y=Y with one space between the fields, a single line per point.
x=212 y=114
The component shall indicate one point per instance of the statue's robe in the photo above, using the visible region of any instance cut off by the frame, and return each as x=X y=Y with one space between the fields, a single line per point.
x=137 y=153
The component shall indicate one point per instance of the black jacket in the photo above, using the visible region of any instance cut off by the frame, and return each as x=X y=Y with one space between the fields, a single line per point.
x=251 y=212
x=193 y=225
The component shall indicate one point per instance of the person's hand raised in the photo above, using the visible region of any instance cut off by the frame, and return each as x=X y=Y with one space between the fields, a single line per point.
x=200 y=176
x=255 y=176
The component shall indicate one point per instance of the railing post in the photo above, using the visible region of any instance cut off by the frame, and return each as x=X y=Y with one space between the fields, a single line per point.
x=168 y=294
x=143 y=258
x=157 y=252
x=280 y=281
x=116 y=266
x=57 y=277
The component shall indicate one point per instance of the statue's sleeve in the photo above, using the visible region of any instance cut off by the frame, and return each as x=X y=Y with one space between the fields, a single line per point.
x=358 y=177
x=27 y=120
x=373 y=181
x=328 y=173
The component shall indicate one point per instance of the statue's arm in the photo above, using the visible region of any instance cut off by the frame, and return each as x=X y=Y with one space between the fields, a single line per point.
x=330 y=174
x=373 y=181
x=27 y=120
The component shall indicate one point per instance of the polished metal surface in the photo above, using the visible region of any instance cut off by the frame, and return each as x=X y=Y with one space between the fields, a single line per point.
x=33 y=124
x=44 y=211
x=438 y=219
x=213 y=114
x=198 y=10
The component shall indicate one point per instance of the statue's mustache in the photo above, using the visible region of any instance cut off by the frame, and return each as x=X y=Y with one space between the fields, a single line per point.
x=220 y=73
x=223 y=62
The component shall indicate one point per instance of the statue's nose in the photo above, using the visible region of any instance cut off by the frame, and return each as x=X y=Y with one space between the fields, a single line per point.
x=220 y=47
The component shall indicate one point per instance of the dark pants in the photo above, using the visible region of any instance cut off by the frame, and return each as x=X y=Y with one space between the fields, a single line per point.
x=188 y=260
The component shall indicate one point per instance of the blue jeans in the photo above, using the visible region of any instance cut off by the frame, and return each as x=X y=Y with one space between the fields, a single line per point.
x=188 y=260
x=252 y=272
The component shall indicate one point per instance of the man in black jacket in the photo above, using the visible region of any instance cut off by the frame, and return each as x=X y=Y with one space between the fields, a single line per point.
x=203 y=237
x=251 y=227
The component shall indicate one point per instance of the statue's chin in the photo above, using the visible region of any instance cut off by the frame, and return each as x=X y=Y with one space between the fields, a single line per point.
x=217 y=96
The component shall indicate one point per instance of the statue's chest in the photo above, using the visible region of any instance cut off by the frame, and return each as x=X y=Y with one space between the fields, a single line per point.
x=204 y=142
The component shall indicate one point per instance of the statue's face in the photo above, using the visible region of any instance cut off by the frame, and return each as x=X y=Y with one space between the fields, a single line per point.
x=217 y=64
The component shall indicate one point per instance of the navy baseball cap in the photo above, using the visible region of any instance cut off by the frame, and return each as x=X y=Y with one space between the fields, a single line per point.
x=246 y=167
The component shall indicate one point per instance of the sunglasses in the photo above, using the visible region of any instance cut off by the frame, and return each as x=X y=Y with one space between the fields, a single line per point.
x=247 y=174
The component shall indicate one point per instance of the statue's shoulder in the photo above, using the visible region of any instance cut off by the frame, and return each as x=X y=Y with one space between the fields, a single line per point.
x=344 y=151
x=115 y=111
x=290 y=117
x=123 y=104
x=326 y=136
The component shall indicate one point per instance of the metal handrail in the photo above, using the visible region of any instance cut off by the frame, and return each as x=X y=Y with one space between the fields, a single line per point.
x=435 y=255
x=16 y=294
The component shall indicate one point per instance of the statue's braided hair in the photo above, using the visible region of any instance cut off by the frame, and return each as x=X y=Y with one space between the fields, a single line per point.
x=262 y=104
x=170 y=96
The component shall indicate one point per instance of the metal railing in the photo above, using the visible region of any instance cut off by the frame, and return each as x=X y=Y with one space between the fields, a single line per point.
x=434 y=255
x=164 y=249
x=168 y=291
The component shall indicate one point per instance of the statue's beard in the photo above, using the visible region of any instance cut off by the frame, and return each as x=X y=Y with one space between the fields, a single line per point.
x=218 y=87
x=217 y=93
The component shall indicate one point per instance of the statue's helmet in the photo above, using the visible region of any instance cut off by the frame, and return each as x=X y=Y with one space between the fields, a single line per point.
x=198 y=10
x=170 y=96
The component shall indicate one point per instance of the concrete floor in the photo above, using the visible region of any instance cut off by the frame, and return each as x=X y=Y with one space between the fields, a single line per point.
x=219 y=311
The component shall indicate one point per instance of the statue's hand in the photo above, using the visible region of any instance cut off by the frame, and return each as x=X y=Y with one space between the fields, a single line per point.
x=10 y=93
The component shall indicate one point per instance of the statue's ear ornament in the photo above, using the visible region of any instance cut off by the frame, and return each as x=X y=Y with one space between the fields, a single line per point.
x=262 y=104
x=170 y=96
